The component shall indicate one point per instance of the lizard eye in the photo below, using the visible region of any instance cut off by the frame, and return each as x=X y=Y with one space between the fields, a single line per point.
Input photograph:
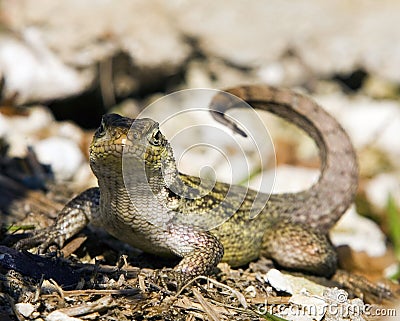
x=156 y=138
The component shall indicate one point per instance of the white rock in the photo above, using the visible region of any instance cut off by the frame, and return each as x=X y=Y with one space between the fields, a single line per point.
x=272 y=74
x=391 y=270
x=380 y=187
x=26 y=309
x=307 y=297
x=62 y=154
x=360 y=233
x=4 y=126
x=313 y=306
x=33 y=71
x=368 y=122
x=70 y=130
x=84 y=178
x=21 y=131
x=286 y=72
x=284 y=179
x=303 y=286
x=39 y=118
x=251 y=290
x=59 y=316
x=269 y=30
x=197 y=76
x=374 y=123
x=278 y=281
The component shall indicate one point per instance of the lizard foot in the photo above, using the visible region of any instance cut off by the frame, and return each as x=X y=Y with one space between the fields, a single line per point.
x=173 y=279
x=169 y=279
x=43 y=238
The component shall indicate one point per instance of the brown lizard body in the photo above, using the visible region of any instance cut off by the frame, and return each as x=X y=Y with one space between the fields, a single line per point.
x=143 y=200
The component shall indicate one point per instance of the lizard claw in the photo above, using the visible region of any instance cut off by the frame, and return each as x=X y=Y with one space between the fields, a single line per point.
x=168 y=280
x=171 y=279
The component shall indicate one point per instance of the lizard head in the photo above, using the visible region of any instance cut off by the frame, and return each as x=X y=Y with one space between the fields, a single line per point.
x=137 y=140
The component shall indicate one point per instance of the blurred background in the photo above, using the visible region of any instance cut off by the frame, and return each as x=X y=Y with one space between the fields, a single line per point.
x=63 y=64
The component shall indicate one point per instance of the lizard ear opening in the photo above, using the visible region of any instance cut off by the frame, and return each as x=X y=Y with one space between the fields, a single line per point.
x=101 y=131
x=156 y=138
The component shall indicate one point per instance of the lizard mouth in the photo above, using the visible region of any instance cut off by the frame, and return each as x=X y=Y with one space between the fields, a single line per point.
x=116 y=147
x=102 y=146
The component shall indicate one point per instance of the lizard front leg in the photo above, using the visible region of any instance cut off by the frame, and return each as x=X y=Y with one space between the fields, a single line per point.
x=72 y=219
x=200 y=251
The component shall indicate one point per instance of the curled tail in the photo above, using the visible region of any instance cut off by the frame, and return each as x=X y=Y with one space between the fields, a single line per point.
x=322 y=204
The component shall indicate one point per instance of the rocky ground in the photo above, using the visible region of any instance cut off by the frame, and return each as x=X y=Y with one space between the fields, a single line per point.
x=65 y=63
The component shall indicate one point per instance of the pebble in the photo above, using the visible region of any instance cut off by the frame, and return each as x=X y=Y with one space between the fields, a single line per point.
x=315 y=307
x=59 y=316
x=278 y=281
x=368 y=122
x=26 y=309
x=360 y=233
x=38 y=118
x=69 y=130
x=308 y=297
x=4 y=126
x=62 y=154
x=22 y=131
x=55 y=143
x=380 y=187
x=33 y=70
x=285 y=178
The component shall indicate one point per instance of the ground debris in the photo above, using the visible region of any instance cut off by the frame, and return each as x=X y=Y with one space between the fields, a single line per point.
x=106 y=292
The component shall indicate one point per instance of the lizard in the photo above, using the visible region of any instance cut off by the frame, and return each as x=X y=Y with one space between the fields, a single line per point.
x=148 y=211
